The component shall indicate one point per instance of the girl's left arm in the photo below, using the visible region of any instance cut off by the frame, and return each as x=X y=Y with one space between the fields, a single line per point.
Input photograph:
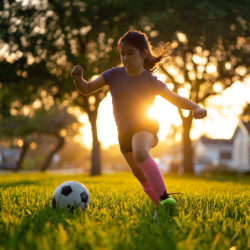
x=183 y=103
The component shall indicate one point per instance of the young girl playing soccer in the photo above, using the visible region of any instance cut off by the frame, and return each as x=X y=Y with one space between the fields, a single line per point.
x=133 y=89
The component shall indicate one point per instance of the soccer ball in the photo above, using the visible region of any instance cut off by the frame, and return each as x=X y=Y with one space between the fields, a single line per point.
x=70 y=195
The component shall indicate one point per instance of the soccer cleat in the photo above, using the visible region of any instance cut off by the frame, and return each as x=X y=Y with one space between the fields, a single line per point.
x=166 y=207
x=169 y=202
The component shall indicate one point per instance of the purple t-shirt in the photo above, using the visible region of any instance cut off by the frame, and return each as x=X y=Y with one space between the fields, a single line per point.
x=131 y=96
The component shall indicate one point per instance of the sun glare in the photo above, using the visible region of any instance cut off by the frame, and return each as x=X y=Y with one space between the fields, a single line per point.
x=165 y=113
x=107 y=130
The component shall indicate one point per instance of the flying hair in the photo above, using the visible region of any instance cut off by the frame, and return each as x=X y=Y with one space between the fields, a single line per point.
x=140 y=40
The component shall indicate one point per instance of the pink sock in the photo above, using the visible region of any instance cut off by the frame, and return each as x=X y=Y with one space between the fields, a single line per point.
x=148 y=190
x=154 y=176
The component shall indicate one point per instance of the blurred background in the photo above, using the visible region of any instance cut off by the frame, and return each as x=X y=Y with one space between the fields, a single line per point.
x=46 y=125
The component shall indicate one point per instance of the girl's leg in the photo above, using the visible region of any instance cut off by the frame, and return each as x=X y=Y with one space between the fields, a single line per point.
x=141 y=143
x=138 y=173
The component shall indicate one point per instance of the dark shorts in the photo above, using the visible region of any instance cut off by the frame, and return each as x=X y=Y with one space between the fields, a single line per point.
x=125 y=139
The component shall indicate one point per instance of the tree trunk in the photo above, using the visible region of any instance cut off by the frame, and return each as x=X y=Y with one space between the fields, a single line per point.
x=95 y=158
x=47 y=161
x=187 y=146
x=24 y=149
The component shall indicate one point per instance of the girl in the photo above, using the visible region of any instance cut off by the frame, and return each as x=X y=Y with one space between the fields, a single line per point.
x=133 y=89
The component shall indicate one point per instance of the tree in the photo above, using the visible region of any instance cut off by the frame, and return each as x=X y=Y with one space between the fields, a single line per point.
x=56 y=122
x=20 y=127
x=209 y=41
x=245 y=115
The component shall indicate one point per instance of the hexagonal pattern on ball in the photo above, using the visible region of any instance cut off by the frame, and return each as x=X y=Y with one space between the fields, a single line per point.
x=66 y=190
x=84 y=197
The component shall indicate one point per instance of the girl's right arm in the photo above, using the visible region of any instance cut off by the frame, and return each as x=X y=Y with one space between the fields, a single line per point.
x=183 y=103
x=84 y=87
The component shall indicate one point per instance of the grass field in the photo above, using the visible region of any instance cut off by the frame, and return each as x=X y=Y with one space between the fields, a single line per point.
x=213 y=213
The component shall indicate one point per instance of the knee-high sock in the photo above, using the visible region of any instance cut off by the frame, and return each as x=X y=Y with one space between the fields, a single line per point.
x=154 y=176
x=149 y=191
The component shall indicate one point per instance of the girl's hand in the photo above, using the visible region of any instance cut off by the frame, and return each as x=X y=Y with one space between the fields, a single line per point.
x=77 y=72
x=199 y=113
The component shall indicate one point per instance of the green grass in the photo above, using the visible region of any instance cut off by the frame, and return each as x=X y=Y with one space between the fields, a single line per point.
x=213 y=213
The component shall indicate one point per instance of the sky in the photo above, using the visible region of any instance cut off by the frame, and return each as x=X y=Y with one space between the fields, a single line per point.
x=221 y=121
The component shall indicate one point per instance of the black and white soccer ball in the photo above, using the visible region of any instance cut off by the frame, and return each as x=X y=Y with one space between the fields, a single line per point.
x=70 y=195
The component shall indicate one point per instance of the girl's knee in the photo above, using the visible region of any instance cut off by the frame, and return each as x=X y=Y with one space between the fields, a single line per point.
x=142 y=141
x=140 y=155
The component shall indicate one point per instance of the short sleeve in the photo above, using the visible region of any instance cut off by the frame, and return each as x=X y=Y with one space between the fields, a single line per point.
x=157 y=85
x=108 y=74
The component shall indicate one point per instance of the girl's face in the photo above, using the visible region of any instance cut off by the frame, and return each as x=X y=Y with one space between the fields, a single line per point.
x=131 y=57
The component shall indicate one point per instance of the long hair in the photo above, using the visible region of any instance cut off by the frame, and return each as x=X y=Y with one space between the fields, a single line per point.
x=140 y=41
